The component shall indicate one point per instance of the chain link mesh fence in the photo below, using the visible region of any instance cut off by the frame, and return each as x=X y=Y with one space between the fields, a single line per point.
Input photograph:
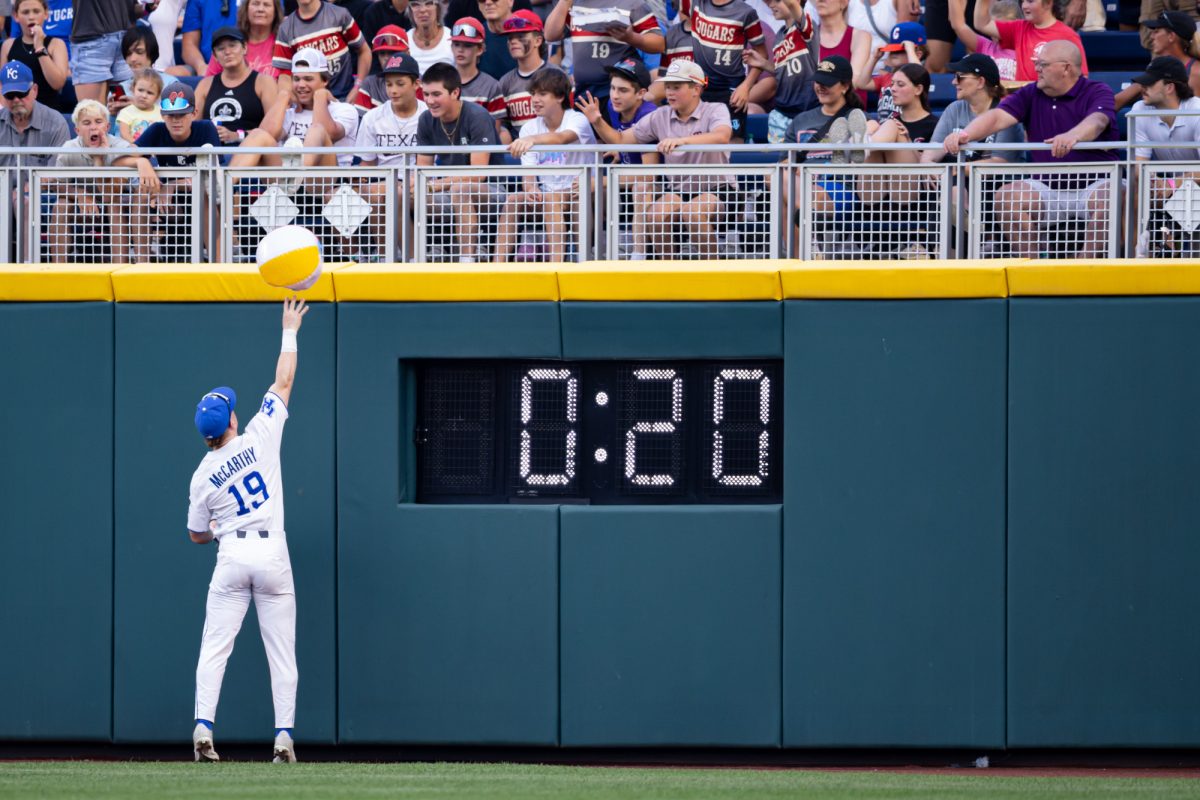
x=108 y=216
x=692 y=212
x=1045 y=211
x=351 y=211
x=1168 y=210
x=871 y=212
x=525 y=214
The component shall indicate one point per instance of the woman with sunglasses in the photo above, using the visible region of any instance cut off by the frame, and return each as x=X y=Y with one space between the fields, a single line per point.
x=977 y=89
x=258 y=20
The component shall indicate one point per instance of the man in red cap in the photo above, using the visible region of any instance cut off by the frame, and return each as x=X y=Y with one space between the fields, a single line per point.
x=467 y=43
x=390 y=41
x=527 y=45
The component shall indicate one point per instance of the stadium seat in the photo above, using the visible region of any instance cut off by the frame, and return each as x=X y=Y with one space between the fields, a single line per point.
x=1117 y=51
x=756 y=128
x=941 y=90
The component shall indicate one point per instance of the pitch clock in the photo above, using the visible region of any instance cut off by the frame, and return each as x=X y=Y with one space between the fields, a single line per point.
x=602 y=432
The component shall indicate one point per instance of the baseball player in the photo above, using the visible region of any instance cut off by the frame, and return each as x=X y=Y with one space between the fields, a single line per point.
x=237 y=499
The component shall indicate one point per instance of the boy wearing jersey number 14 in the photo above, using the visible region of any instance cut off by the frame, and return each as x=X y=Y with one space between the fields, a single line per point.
x=236 y=498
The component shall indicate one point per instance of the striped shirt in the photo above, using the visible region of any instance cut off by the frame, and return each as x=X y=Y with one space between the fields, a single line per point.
x=484 y=90
x=332 y=31
x=518 y=102
x=794 y=66
x=679 y=46
x=721 y=32
x=593 y=50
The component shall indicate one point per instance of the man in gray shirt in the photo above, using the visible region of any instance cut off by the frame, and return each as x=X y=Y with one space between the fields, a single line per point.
x=24 y=122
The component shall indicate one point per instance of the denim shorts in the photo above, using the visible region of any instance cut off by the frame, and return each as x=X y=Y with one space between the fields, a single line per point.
x=98 y=60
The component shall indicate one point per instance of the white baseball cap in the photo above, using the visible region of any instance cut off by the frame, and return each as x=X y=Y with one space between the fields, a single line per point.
x=309 y=60
x=684 y=72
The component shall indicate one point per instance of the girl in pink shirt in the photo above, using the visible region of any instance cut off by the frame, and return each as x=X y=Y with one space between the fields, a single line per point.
x=1027 y=36
x=259 y=20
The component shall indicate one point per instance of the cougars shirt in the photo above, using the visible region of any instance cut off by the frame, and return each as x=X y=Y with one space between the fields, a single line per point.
x=679 y=46
x=332 y=31
x=592 y=51
x=721 y=31
x=794 y=66
x=484 y=90
x=518 y=102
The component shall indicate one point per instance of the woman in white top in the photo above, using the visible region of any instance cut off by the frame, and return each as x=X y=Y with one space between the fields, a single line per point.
x=429 y=39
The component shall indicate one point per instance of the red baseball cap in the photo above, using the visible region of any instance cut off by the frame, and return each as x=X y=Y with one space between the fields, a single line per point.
x=467 y=29
x=391 y=38
x=522 y=21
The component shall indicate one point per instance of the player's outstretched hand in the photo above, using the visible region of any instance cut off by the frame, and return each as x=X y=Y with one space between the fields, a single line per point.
x=294 y=310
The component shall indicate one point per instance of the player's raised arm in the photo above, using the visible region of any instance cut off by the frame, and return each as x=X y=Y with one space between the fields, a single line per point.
x=294 y=310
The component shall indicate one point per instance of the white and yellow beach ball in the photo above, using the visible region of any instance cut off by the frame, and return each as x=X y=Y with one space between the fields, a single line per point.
x=290 y=257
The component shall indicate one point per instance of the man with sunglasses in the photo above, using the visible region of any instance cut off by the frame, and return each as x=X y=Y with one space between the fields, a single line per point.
x=201 y=19
x=496 y=60
x=24 y=122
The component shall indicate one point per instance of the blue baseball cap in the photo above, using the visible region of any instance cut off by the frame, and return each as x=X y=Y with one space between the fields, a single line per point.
x=905 y=32
x=213 y=410
x=15 y=77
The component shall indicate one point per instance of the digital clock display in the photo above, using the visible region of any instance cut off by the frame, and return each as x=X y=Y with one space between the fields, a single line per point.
x=599 y=432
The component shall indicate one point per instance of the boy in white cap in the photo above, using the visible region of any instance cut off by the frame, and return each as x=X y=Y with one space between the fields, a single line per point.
x=688 y=200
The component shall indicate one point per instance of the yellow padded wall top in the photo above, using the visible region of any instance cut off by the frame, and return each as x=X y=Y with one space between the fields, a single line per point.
x=1101 y=277
x=671 y=280
x=36 y=283
x=434 y=283
x=207 y=283
x=893 y=280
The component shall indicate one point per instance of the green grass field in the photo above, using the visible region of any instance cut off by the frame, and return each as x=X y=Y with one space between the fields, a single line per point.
x=75 y=779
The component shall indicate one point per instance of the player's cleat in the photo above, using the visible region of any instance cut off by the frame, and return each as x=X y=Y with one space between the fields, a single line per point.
x=202 y=743
x=285 y=749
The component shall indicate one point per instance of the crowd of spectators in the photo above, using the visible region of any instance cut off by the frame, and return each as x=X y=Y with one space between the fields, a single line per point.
x=395 y=74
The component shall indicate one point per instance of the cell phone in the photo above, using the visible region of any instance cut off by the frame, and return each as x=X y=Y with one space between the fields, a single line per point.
x=117 y=92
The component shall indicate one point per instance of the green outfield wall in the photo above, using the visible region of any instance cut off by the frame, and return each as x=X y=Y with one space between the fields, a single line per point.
x=987 y=539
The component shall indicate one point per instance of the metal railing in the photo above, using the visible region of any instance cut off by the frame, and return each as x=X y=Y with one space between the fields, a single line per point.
x=768 y=203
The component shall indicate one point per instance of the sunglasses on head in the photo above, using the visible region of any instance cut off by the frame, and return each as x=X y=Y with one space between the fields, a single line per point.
x=466 y=30
x=519 y=25
x=387 y=40
x=176 y=101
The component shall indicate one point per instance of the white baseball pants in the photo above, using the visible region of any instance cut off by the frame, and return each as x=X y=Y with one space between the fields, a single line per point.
x=250 y=566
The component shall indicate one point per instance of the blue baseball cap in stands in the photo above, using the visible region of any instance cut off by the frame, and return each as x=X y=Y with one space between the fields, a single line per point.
x=213 y=410
x=402 y=64
x=631 y=69
x=15 y=77
x=904 y=32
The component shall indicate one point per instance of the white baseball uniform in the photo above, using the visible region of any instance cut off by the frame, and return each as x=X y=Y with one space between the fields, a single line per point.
x=240 y=488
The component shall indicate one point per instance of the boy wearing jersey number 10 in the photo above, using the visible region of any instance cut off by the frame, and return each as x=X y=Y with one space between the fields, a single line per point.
x=236 y=498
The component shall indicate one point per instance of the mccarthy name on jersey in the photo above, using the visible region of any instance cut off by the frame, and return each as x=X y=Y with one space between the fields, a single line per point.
x=232 y=467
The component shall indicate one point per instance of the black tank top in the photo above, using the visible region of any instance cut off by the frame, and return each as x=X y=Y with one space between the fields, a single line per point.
x=237 y=108
x=47 y=95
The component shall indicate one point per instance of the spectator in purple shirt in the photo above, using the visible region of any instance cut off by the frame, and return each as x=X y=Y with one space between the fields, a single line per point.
x=1062 y=109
